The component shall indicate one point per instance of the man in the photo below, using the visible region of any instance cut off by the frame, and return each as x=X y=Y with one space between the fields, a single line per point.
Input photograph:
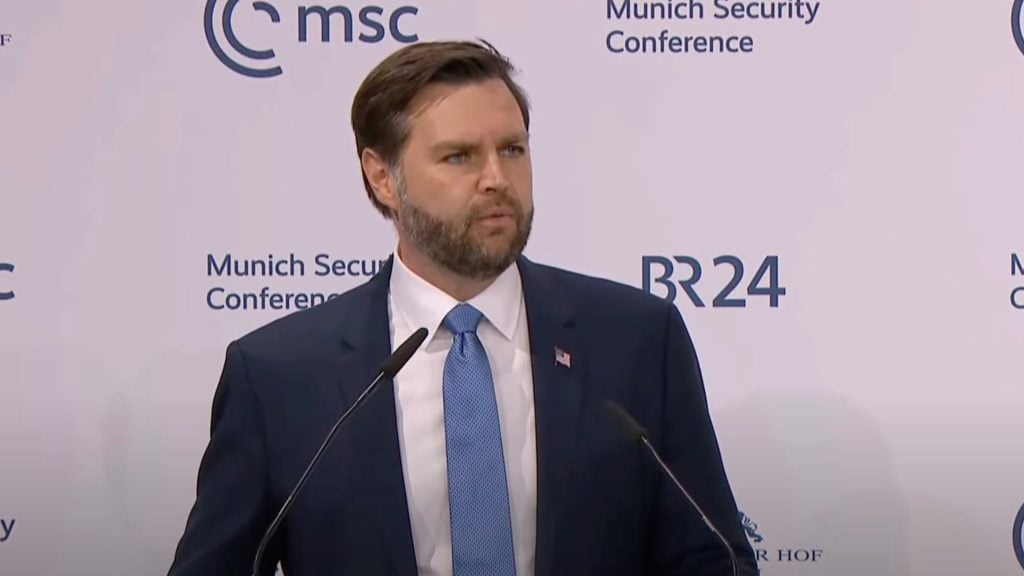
x=491 y=452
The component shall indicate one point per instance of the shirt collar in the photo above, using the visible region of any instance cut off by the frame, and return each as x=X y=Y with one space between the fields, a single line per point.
x=423 y=304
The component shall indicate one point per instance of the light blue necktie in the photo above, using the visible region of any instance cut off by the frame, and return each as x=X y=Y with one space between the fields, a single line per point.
x=477 y=487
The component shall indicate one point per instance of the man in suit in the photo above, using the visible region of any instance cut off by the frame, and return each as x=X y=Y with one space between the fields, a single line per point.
x=491 y=452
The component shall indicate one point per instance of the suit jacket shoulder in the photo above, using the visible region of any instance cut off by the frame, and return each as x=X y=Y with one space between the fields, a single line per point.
x=602 y=300
x=315 y=328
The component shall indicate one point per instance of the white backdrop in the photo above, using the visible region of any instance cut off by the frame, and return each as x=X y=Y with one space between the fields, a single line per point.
x=870 y=421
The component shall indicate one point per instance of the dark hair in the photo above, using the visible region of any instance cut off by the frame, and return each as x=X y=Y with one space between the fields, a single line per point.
x=380 y=107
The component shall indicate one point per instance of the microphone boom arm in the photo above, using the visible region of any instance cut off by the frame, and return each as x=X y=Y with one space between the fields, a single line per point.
x=390 y=368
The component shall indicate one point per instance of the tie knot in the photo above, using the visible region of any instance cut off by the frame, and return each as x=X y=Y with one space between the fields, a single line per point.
x=462 y=318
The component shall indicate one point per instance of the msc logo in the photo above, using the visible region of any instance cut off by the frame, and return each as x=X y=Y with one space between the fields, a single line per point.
x=1017 y=24
x=6 y=268
x=373 y=24
x=1018 y=536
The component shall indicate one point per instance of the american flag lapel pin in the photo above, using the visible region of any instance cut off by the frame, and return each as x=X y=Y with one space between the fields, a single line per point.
x=562 y=357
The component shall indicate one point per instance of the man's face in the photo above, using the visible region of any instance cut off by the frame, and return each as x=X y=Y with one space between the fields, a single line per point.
x=464 y=184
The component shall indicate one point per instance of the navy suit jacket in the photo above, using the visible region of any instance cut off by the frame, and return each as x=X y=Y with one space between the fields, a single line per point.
x=603 y=507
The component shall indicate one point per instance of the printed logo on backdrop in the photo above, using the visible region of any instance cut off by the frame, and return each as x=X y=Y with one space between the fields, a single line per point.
x=6 y=270
x=778 y=555
x=6 y=529
x=724 y=282
x=5 y=39
x=283 y=283
x=1017 y=23
x=750 y=528
x=349 y=24
x=1017 y=277
x=632 y=20
x=1018 y=537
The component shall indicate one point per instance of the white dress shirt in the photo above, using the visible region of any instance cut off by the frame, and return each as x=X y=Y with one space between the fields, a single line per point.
x=415 y=303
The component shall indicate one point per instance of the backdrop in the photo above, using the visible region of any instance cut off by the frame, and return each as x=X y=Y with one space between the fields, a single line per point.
x=830 y=191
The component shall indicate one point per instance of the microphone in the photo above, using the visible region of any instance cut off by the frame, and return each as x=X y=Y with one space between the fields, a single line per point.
x=635 y=432
x=388 y=370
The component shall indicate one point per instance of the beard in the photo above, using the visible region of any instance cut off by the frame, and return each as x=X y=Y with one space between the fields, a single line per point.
x=452 y=243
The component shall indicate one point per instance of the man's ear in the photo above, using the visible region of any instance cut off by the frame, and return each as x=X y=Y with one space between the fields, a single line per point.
x=379 y=177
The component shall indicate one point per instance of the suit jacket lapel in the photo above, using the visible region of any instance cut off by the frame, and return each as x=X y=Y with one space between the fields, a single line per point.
x=558 y=364
x=366 y=340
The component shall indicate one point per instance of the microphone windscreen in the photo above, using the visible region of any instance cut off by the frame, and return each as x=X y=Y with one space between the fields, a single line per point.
x=624 y=421
x=401 y=355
